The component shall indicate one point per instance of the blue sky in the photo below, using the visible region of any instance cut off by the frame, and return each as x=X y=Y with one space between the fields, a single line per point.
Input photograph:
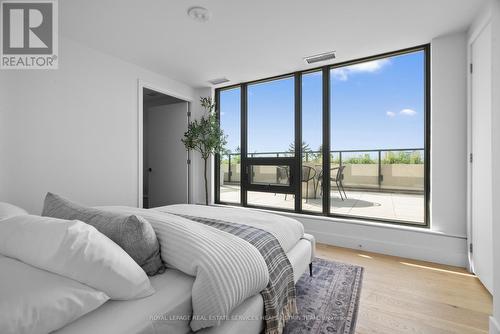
x=378 y=104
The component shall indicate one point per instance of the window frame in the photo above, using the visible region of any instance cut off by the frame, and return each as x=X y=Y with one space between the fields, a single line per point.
x=426 y=48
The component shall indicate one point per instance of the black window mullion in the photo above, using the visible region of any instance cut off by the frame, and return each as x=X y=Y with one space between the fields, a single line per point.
x=298 y=142
x=243 y=146
x=326 y=141
x=217 y=156
x=427 y=139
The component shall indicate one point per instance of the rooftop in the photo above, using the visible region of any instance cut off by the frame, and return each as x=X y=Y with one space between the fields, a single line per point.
x=371 y=204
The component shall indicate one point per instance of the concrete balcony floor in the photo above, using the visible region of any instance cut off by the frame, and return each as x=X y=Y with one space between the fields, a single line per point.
x=369 y=204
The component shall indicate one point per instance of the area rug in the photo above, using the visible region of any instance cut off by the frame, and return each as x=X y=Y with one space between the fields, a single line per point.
x=327 y=302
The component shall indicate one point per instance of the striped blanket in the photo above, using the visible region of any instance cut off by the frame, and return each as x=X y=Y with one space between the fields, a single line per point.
x=227 y=270
x=279 y=295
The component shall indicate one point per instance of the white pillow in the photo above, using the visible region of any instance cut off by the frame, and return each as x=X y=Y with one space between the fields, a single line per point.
x=8 y=210
x=75 y=250
x=36 y=301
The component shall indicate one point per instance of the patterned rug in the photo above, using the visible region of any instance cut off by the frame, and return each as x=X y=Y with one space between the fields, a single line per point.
x=327 y=302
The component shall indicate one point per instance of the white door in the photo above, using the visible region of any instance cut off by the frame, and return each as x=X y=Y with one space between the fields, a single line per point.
x=166 y=156
x=481 y=196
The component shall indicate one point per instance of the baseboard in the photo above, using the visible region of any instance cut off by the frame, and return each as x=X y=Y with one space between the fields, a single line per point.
x=408 y=244
x=494 y=326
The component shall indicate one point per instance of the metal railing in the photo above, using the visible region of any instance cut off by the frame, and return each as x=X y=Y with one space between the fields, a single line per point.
x=341 y=157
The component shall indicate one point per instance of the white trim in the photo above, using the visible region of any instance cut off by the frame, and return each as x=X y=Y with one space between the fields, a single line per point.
x=474 y=33
x=469 y=151
x=424 y=230
x=408 y=242
x=357 y=222
x=141 y=84
x=494 y=326
x=449 y=255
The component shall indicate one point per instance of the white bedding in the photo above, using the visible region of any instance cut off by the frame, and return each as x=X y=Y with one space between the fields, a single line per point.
x=74 y=250
x=287 y=230
x=227 y=269
x=173 y=297
x=222 y=275
x=36 y=301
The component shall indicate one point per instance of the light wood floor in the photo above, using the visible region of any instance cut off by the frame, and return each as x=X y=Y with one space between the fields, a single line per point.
x=407 y=296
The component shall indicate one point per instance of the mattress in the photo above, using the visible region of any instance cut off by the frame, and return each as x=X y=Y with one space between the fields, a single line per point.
x=172 y=297
x=167 y=310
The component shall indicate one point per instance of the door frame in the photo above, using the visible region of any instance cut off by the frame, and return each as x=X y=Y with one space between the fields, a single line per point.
x=471 y=39
x=141 y=84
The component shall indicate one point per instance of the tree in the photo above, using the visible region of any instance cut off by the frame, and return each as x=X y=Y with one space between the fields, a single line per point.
x=306 y=150
x=205 y=136
x=305 y=147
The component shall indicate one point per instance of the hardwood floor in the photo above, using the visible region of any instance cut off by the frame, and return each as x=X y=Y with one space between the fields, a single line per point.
x=408 y=296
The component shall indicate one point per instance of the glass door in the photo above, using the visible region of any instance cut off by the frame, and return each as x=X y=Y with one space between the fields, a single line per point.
x=268 y=155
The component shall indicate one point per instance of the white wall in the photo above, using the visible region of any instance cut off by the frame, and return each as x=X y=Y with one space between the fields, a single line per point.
x=449 y=134
x=197 y=165
x=73 y=130
x=495 y=320
x=3 y=144
x=388 y=239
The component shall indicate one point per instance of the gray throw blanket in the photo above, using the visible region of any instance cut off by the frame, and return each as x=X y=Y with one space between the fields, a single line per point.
x=279 y=295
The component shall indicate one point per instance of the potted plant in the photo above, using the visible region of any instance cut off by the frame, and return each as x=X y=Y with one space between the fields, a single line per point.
x=205 y=136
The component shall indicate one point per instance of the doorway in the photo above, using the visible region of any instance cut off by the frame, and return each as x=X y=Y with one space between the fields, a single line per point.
x=164 y=159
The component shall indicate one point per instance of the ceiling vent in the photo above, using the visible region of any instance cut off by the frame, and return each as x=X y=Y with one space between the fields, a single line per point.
x=320 y=57
x=218 y=81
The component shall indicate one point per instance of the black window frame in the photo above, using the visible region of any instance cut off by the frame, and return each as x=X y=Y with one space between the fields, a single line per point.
x=296 y=165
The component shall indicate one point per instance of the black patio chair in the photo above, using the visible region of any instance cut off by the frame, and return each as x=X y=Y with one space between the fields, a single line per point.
x=308 y=174
x=338 y=179
x=282 y=173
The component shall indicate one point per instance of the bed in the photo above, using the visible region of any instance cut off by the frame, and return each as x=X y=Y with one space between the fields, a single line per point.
x=172 y=300
x=175 y=302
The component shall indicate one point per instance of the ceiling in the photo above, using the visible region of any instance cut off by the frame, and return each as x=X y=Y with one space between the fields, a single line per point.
x=248 y=40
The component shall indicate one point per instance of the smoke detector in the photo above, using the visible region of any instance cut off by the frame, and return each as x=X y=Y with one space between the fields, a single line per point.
x=320 y=57
x=199 y=14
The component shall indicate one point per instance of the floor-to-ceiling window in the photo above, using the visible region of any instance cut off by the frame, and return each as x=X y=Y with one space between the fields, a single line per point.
x=312 y=141
x=377 y=122
x=347 y=140
x=229 y=108
x=271 y=134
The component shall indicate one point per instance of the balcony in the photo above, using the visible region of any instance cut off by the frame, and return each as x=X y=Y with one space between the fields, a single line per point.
x=379 y=184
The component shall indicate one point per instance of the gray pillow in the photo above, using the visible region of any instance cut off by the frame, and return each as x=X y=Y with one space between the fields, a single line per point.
x=132 y=233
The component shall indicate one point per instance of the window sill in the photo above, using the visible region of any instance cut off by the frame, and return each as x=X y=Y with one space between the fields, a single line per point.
x=424 y=230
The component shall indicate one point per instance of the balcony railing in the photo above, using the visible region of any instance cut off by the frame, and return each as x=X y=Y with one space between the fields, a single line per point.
x=400 y=169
